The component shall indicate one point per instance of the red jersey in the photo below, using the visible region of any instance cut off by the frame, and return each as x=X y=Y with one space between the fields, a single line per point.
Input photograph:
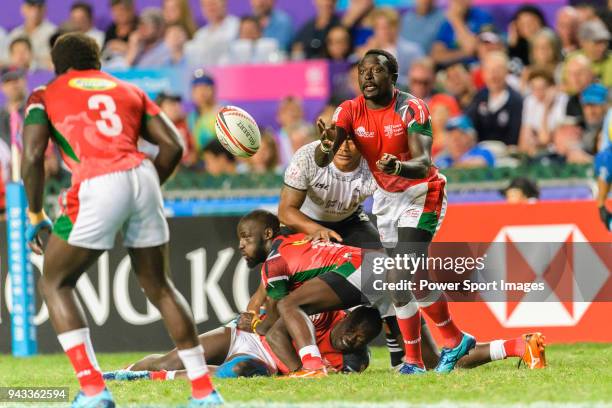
x=94 y=119
x=293 y=260
x=323 y=323
x=386 y=130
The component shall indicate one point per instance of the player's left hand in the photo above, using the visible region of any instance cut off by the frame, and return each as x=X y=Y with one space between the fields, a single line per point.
x=387 y=164
x=38 y=222
x=245 y=320
x=324 y=235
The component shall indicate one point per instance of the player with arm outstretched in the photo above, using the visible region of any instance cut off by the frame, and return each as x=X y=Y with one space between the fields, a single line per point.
x=326 y=203
x=95 y=120
x=392 y=130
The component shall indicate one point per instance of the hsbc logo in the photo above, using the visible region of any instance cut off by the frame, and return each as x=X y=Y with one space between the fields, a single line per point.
x=557 y=255
x=362 y=132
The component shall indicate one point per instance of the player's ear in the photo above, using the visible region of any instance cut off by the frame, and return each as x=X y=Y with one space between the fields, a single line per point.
x=268 y=233
x=394 y=78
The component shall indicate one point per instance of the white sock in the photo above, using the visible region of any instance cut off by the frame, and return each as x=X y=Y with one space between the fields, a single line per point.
x=313 y=350
x=73 y=338
x=496 y=350
x=170 y=375
x=193 y=361
x=406 y=311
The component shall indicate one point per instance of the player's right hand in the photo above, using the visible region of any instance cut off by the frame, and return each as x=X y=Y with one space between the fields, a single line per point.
x=38 y=222
x=245 y=320
x=605 y=216
x=327 y=134
x=325 y=235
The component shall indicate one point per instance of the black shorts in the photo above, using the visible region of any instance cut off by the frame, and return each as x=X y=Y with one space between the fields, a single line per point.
x=348 y=294
x=357 y=230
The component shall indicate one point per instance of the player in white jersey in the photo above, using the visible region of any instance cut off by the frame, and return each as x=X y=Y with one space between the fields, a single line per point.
x=326 y=202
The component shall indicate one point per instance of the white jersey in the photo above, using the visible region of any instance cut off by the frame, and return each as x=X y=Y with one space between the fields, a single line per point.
x=331 y=195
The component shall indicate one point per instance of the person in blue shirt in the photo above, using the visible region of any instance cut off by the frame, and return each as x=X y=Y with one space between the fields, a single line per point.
x=603 y=171
x=423 y=24
x=461 y=147
x=457 y=39
x=276 y=23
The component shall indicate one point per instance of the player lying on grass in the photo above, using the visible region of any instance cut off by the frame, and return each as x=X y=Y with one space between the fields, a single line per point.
x=342 y=338
x=326 y=203
x=313 y=277
x=95 y=120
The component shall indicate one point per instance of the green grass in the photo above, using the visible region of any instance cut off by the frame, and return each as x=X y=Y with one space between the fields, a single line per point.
x=576 y=374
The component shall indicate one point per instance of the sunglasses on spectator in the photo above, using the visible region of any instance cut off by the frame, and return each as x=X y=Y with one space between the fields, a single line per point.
x=418 y=81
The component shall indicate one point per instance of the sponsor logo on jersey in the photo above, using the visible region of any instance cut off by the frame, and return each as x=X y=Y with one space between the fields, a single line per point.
x=321 y=186
x=336 y=114
x=92 y=84
x=301 y=242
x=361 y=132
x=393 y=130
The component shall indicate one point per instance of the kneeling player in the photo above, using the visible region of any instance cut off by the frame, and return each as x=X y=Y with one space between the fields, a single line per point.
x=342 y=338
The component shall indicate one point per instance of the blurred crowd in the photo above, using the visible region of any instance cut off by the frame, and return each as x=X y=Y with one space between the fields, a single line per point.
x=533 y=91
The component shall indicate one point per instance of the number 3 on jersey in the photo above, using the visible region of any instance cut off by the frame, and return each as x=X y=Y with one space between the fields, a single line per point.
x=110 y=124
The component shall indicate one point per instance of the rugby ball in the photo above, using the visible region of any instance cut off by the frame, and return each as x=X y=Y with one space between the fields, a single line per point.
x=237 y=131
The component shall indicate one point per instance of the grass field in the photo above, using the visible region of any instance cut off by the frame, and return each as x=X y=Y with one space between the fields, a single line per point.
x=578 y=375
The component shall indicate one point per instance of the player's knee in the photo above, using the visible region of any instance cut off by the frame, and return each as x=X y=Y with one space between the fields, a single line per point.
x=158 y=291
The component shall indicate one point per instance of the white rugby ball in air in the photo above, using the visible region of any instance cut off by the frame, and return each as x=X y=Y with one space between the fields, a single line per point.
x=237 y=131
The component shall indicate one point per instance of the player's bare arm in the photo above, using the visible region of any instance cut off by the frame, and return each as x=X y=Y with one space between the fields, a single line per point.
x=289 y=213
x=35 y=140
x=331 y=139
x=415 y=168
x=272 y=316
x=603 y=189
x=279 y=340
x=160 y=131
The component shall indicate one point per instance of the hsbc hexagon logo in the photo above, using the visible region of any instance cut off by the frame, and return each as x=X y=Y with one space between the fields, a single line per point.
x=557 y=256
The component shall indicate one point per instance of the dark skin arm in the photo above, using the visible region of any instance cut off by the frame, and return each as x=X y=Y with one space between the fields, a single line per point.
x=289 y=213
x=331 y=138
x=35 y=141
x=416 y=168
x=160 y=131
x=272 y=317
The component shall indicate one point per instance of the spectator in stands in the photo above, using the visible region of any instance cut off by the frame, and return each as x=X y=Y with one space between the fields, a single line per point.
x=3 y=45
x=461 y=146
x=171 y=105
x=175 y=39
x=586 y=12
x=15 y=91
x=81 y=18
x=211 y=41
x=488 y=41
x=545 y=53
x=266 y=158
x=178 y=12
x=578 y=74
x=338 y=44
x=38 y=29
x=422 y=78
x=202 y=120
x=118 y=33
x=250 y=47
x=567 y=29
x=496 y=110
x=20 y=54
x=385 y=24
x=594 y=100
x=146 y=46
x=276 y=23
x=527 y=21
x=594 y=39
x=458 y=82
x=310 y=39
x=5 y=169
x=521 y=190
x=218 y=160
x=567 y=144
x=423 y=24
x=456 y=41
x=294 y=131
x=543 y=112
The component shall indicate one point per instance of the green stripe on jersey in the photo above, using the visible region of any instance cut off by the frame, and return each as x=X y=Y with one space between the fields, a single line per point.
x=303 y=276
x=278 y=289
x=63 y=144
x=63 y=227
x=428 y=222
x=424 y=129
x=36 y=116
x=346 y=269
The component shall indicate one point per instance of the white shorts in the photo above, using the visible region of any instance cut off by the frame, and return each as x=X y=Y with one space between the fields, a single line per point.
x=421 y=206
x=94 y=210
x=250 y=344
